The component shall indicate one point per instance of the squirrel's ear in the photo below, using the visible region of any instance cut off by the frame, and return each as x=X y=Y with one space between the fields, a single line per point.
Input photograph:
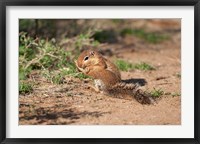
x=92 y=52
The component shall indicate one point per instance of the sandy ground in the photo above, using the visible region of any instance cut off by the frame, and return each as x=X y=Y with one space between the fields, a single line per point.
x=73 y=103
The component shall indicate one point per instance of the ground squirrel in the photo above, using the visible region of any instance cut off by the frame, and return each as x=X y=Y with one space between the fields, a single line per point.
x=107 y=77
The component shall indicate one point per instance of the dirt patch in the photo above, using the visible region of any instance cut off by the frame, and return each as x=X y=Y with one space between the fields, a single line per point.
x=76 y=104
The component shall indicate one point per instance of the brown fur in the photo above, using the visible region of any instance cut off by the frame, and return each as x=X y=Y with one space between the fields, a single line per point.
x=93 y=64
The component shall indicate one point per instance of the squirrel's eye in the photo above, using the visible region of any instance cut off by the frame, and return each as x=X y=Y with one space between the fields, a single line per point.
x=86 y=58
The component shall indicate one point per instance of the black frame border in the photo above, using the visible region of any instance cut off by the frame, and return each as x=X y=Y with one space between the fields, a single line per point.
x=4 y=3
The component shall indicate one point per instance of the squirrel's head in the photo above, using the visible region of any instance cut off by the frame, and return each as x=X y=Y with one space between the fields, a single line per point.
x=88 y=58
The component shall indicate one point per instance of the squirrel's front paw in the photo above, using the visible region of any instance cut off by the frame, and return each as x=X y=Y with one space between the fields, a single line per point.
x=76 y=64
x=85 y=70
x=79 y=69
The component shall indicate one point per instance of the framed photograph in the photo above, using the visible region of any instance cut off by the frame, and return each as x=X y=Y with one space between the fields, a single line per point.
x=99 y=71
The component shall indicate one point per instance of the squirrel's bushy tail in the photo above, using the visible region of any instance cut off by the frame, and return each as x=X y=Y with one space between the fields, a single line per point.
x=132 y=90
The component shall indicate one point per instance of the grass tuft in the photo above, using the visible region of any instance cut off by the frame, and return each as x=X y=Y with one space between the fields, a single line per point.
x=157 y=92
x=123 y=65
x=175 y=94
x=25 y=88
x=126 y=66
x=147 y=36
x=143 y=66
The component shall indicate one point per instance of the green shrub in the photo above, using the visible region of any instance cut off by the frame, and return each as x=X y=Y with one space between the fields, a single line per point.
x=52 y=60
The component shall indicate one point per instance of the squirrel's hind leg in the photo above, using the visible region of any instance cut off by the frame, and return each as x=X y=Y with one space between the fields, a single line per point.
x=98 y=86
